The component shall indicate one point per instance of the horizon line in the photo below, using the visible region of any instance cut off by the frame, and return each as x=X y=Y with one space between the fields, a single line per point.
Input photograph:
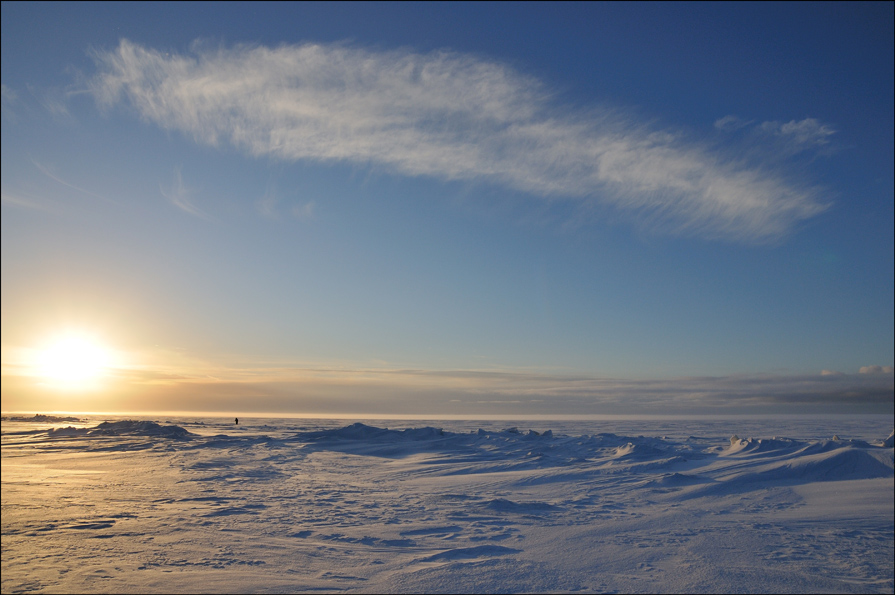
x=445 y=417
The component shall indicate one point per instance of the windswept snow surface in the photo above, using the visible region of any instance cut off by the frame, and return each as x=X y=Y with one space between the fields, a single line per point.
x=201 y=505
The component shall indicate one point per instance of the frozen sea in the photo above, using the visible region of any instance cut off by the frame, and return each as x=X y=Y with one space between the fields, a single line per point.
x=189 y=504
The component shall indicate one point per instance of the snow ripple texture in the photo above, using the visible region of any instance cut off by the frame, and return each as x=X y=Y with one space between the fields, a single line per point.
x=203 y=505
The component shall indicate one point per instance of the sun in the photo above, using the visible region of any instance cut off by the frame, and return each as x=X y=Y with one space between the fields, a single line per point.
x=74 y=361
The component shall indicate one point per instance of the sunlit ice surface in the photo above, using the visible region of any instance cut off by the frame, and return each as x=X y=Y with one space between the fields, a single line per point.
x=105 y=503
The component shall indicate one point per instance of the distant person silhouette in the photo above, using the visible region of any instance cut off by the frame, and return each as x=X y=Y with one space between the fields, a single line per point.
x=237 y=421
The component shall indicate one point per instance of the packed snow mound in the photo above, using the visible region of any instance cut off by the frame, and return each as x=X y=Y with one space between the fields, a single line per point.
x=762 y=445
x=774 y=447
x=483 y=451
x=677 y=479
x=123 y=428
x=845 y=463
x=831 y=445
x=359 y=431
x=356 y=431
x=638 y=451
x=67 y=431
x=40 y=418
x=138 y=428
x=471 y=553
x=615 y=442
x=362 y=432
x=508 y=449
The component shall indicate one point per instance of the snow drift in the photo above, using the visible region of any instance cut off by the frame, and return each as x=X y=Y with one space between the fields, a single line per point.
x=299 y=506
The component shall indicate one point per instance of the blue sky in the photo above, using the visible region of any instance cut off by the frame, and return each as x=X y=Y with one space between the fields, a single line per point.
x=458 y=209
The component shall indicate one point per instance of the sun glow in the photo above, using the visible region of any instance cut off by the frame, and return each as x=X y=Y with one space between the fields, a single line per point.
x=74 y=362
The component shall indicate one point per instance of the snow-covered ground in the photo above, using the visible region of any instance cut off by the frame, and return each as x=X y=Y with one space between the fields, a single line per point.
x=201 y=505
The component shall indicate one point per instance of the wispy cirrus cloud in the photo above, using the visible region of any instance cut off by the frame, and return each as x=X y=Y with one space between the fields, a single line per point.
x=48 y=172
x=304 y=211
x=805 y=133
x=8 y=98
x=181 y=197
x=453 y=117
x=25 y=202
x=787 y=138
x=268 y=205
x=731 y=123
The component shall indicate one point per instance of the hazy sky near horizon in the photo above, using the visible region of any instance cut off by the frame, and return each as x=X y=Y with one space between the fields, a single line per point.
x=487 y=208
